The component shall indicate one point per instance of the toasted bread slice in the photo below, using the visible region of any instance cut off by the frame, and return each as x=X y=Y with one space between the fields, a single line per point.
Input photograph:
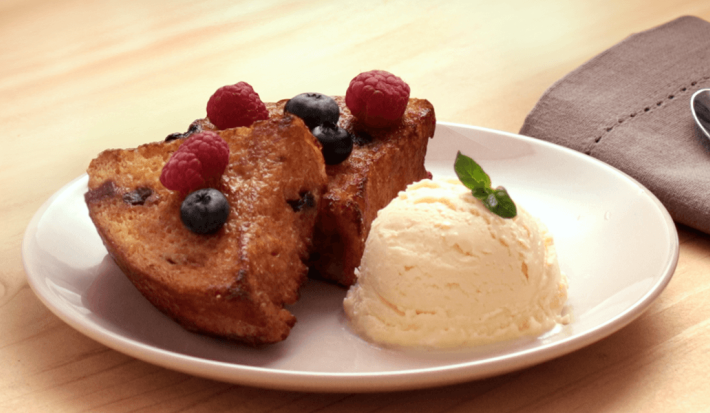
x=233 y=283
x=382 y=163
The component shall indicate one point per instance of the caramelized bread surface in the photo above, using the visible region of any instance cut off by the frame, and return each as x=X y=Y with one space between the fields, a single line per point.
x=382 y=163
x=235 y=282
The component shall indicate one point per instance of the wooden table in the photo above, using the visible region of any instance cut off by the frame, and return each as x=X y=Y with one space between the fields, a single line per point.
x=80 y=76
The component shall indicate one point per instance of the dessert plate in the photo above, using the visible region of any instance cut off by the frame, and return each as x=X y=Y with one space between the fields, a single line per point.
x=615 y=241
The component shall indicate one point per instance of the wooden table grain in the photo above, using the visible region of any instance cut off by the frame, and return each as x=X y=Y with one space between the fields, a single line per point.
x=79 y=76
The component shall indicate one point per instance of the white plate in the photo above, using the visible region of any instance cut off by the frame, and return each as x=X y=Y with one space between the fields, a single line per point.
x=616 y=243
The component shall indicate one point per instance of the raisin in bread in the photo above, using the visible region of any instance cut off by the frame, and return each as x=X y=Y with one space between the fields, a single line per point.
x=233 y=283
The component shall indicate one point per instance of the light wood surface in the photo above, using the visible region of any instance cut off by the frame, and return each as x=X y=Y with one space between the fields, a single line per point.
x=79 y=76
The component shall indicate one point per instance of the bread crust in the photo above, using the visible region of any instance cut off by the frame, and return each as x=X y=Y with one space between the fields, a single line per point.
x=290 y=211
x=233 y=283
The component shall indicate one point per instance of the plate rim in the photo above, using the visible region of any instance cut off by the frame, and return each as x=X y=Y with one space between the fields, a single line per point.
x=281 y=379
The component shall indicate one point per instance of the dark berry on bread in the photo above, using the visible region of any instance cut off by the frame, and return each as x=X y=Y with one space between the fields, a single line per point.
x=314 y=108
x=337 y=142
x=204 y=211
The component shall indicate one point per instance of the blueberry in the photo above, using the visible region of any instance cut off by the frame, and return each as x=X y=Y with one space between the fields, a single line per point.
x=337 y=142
x=314 y=108
x=204 y=211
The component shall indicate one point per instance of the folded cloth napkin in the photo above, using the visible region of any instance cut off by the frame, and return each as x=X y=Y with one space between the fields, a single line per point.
x=630 y=107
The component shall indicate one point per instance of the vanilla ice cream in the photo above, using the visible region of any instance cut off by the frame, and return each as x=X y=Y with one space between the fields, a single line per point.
x=441 y=270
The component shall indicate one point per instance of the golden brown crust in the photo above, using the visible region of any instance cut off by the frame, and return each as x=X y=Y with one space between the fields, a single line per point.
x=235 y=282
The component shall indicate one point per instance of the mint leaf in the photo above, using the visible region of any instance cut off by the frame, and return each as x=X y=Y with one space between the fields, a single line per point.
x=499 y=203
x=474 y=178
x=482 y=193
x=470 y=173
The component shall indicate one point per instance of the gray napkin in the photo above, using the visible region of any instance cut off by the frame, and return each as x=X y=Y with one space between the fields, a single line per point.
x=630 y=107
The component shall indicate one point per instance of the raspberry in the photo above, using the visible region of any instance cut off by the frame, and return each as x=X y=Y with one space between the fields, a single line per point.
x=211 y=150
x=377 y=98
x=202 y=158
x=235 y=105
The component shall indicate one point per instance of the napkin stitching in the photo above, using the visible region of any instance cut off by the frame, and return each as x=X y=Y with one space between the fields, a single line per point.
x=647 y=109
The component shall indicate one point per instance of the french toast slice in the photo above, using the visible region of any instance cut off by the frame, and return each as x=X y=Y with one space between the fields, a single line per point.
x=233 y=283
x=383 y=162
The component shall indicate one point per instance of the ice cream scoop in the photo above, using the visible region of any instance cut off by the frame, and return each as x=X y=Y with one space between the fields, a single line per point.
x=441 y=270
